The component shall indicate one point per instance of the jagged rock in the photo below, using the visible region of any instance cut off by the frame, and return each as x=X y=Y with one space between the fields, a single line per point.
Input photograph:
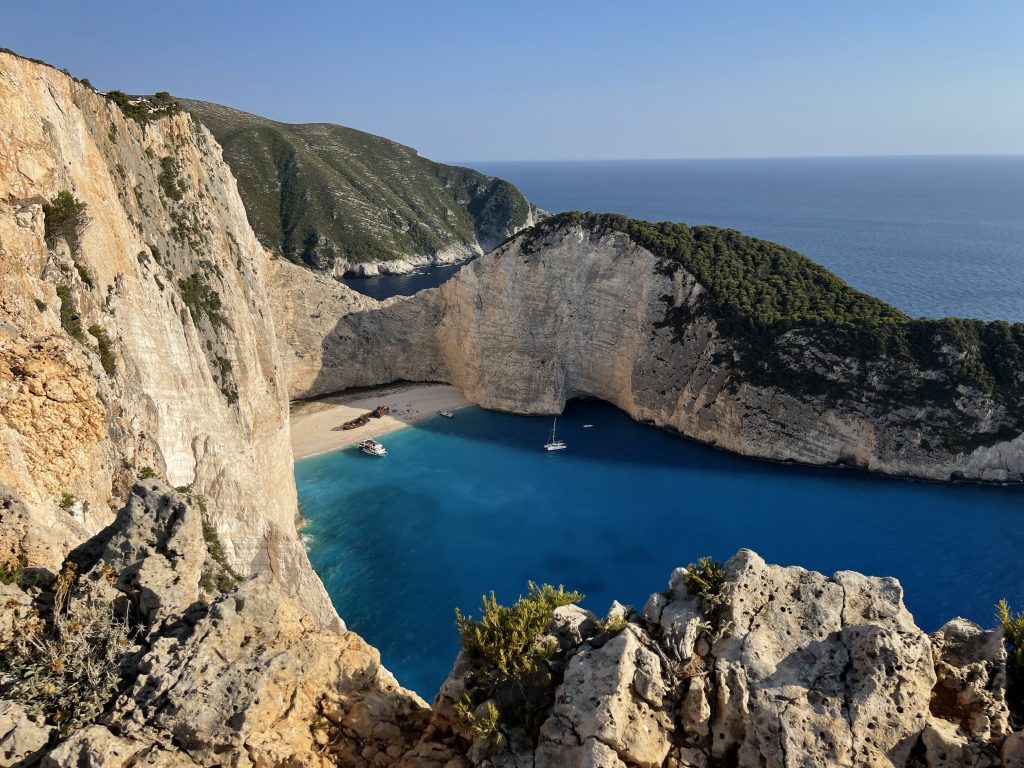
x=251 y=679
x=97 y=746
x=812 y=671
x=831 y=669
x=22 y=738
x=1013 y=751
x=970 y=690
x=614 y=695
x=968 y=705
x=156 y=553
x=572 y=625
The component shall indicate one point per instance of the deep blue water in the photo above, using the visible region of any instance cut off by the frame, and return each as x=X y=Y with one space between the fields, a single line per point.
x=470 y=504
x=934 y=236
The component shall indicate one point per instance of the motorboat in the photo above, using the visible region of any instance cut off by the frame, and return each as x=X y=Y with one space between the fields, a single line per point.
x=446 y=414
x=371 y=447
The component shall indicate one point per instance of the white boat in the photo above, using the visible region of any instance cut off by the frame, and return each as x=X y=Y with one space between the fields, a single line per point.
x=446 y=414
x=553 y=443
x=371 y=447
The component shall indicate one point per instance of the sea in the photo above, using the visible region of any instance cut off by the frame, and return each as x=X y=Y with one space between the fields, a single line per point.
x=472 y=504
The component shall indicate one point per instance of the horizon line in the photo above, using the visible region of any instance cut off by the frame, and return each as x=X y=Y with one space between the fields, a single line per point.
x=895 y=156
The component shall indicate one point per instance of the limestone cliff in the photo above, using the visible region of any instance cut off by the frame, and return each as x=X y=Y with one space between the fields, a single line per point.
x=140 y=340
x=582 y=307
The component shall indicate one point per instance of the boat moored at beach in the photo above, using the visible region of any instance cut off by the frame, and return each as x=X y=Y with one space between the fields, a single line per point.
x=371 y=447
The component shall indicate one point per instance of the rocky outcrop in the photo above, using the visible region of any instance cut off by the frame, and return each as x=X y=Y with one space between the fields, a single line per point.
x=569 y=310
x=220 y=673
x=798 y=669
x=142 y=344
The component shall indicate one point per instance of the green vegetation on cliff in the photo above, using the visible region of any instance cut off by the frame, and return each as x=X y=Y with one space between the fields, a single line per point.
x=317 y=192
x=796 y=326
x=512 y=683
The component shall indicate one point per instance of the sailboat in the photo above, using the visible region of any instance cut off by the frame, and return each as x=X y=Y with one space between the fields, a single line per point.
x=553 y=443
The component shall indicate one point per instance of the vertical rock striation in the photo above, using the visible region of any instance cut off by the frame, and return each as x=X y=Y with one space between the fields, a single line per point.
x=144 y=344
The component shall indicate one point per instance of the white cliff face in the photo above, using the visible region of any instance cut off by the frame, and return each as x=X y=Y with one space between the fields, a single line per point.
x=582 y=314
x=170 y=270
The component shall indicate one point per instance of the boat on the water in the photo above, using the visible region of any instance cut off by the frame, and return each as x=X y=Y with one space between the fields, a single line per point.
x=553 y=443
x=446 y=414
x=371 y=447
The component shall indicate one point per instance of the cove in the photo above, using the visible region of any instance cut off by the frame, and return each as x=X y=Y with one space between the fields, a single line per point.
x=466 y=505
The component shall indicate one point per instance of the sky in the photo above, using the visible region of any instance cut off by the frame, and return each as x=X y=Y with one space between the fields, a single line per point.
x=568 y=79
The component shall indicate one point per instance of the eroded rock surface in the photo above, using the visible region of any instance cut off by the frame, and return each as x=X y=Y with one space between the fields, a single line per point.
x=144 y=344
x=568 y=310
x=220 y=673
x=804 y=670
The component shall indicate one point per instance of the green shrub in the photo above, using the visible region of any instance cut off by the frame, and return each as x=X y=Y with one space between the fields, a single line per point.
x=611 y=625
x=68 y=669
x=83 y=273
x=12 y=571
x=706 y=579
x=201 y=300
x=511 y=658
x=67 y=502
x=486 y=726
x=65 y=217
x=147 y=473
x=70 y=320
x=1013 y=637
x=172 y=186
x=141 y=109
x=107 y=358
x=224 y=577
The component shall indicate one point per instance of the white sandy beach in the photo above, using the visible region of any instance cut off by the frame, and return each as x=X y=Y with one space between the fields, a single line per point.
x=312 y=422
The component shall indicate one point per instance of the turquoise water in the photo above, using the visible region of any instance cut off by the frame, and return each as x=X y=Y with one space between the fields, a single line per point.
x=934 y=236
x=465 y=505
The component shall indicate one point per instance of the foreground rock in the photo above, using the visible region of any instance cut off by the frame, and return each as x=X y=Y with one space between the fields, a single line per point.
x=804 y=670
x=792 y=668
x=219 y=673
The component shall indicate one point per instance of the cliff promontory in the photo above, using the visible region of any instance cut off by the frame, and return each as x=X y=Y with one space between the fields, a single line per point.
x=135 y=330
x=726 y=339
x=342 y=201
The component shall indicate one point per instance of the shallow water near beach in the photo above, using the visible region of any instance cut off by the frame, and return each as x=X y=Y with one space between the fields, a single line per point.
x=465 y=505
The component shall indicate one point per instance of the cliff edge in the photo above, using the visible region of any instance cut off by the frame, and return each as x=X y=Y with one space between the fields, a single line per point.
x=135 y=334
x=729 y=340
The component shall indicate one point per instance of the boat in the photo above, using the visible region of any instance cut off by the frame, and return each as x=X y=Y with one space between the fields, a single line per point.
x=446 y=414
x=553 y=443
x=371 y=447
x=587 y=426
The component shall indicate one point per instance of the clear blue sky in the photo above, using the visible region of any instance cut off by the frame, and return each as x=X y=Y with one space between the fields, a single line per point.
x=567 y=79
